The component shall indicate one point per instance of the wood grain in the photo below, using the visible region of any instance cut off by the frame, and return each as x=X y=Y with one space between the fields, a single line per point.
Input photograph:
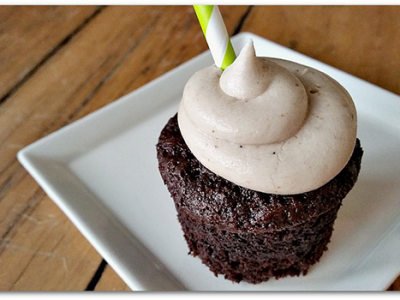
x=46 y=252
x=81 y=58
x=29 y=34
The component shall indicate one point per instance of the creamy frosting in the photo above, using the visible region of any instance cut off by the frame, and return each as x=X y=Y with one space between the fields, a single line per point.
x=268 y=124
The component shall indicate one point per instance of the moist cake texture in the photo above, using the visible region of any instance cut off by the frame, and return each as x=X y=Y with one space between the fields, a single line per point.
x=244 y=234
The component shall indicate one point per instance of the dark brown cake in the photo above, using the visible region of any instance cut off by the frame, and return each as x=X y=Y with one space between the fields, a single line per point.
x=245 y=234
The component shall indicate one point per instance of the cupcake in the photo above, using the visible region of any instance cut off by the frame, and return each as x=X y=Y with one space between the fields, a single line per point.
x=258 y=161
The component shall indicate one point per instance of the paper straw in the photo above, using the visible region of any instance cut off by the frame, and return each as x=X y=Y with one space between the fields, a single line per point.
x=216 y=35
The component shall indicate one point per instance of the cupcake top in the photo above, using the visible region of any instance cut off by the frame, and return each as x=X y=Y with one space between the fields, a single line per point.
x=268 y=124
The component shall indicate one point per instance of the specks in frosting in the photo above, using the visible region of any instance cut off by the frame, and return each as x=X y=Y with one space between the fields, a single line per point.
x=305 y=70
x=257 y=146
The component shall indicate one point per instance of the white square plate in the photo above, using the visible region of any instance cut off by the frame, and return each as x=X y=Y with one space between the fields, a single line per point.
x=102 y=172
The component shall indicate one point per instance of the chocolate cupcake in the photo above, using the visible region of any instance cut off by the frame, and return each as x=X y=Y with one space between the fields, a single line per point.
x=256 y=203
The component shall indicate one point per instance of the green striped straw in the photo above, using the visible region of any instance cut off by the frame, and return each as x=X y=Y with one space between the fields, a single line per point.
x=216 y=35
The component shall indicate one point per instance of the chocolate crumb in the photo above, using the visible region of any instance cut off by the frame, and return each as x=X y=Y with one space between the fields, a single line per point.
x=244 y=234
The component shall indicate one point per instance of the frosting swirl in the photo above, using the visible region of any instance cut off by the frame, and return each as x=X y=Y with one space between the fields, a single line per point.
x=268 y=124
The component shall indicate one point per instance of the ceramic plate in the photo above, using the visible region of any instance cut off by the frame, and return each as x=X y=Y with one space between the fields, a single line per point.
x=102 y=172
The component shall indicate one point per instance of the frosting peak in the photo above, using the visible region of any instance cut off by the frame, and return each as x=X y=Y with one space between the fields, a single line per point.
x=246 y=78
x=268 y=124
x=270 y=96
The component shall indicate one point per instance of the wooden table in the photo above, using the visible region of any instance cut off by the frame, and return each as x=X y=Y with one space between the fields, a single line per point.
x=58 y=64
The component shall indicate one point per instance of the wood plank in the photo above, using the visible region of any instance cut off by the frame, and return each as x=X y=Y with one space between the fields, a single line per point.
x=60 y=69
x=40 y=30
x=20 y=196
x=360 y=40
x=61 y=84
x=64 y=68
x=45 y=237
